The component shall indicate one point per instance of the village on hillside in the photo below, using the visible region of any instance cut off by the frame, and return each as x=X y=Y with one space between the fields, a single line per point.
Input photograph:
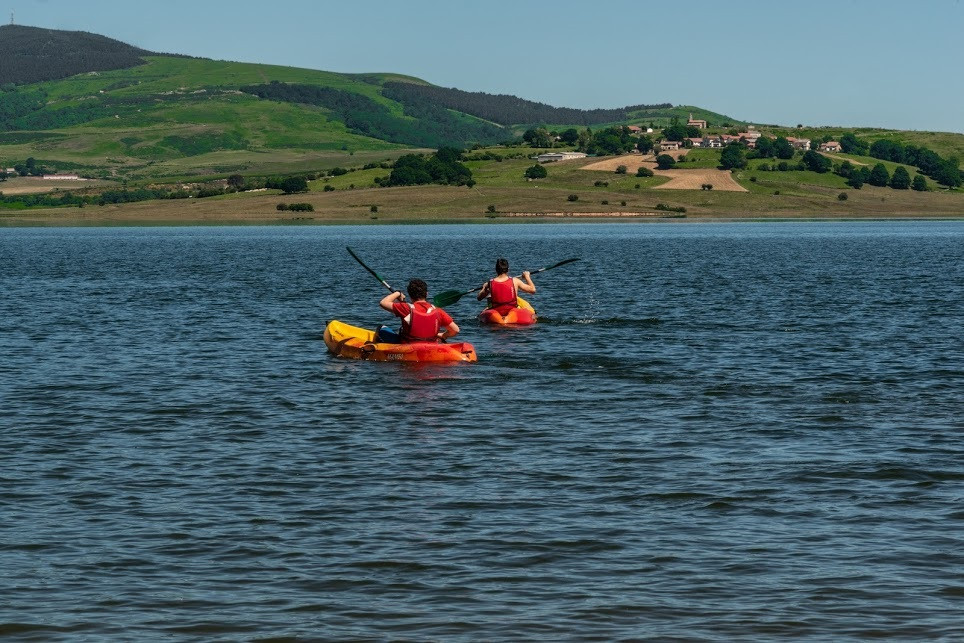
x=748 y=138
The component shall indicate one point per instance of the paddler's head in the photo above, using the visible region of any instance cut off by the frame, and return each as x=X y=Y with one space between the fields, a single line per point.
x=501 y=266
x=417 y=289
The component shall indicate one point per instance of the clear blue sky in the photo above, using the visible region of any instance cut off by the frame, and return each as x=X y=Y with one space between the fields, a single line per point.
x=884 y=63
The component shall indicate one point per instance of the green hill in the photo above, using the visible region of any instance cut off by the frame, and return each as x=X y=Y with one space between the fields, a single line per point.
x=74 y=101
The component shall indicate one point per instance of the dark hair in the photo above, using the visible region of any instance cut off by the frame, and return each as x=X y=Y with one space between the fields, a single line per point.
x=417 y=289
x=501 y=265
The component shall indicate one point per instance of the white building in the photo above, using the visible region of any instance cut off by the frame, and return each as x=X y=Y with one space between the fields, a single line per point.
x=559 y=156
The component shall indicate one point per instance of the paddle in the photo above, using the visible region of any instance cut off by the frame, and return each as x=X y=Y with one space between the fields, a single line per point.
x=449 y=297
x=375 y=274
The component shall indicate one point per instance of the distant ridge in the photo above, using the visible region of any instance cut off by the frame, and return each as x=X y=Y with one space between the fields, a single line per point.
x=506 y=109
x=34 y=54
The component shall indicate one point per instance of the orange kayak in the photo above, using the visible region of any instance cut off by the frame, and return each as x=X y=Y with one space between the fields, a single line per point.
x=358 y=343
x=521 y=315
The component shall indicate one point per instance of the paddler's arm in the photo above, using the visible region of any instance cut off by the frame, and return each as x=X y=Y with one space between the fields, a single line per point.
x=390 y=299
x=484 y=292
x=450 y=331
x=527 y=285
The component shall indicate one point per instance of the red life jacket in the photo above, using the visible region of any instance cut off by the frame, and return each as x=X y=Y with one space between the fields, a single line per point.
x=421 y=324
x=502 y=293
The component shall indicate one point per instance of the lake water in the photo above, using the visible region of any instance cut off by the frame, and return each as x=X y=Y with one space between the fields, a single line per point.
x=718 y=431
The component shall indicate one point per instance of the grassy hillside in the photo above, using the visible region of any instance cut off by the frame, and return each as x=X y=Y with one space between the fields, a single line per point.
x=172 y=119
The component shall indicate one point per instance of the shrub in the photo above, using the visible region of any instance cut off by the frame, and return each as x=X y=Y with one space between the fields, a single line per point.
x=636 y=186
x=644 y=172
x=572 y=197
x=536 y=172
x=665 y=161
x=338 y=171
x=668 y=208
x=294 y=184
x=776 y=192
x=621 y=169
x=601 y=184
x=373 y=209
x=842 y=196
x=604 y=202
x=329 y=188
x=296 y=207
x=752 y=179
x=622 y=203
x=707 y=186
x=490 y=209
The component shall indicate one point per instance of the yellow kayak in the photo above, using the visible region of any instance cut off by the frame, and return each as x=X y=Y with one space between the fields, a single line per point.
x=352 y=342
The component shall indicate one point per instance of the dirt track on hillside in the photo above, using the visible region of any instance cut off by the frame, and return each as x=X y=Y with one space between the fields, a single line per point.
x=678 y=179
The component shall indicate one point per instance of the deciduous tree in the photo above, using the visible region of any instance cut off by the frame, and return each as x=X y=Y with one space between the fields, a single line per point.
x=665 y=161
x=536 y=172
x=733 y=156
x=900 y=179
x=879 y=176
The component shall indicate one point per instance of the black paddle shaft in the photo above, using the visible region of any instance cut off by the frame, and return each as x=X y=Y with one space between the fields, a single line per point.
x=449 y=297
x=363 y=265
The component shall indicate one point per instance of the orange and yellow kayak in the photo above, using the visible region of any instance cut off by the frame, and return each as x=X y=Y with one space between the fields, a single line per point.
x=358 y=343
x=521 y=315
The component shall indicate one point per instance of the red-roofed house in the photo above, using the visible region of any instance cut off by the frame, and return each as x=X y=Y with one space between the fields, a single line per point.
x=830 y=146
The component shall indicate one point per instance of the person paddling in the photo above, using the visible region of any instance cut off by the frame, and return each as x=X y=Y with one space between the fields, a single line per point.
x=503 y=290
x=421 y=321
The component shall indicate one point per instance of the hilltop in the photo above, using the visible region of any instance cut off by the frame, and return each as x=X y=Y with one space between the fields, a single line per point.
x=31 y=54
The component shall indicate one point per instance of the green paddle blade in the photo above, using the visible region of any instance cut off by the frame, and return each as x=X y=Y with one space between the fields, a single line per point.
x=447 y=297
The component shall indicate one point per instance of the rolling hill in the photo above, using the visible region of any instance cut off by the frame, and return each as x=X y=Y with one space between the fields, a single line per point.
x=81 y=102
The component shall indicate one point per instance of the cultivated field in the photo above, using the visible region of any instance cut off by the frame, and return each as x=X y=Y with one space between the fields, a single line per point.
x=680 y=179
x=35 y=185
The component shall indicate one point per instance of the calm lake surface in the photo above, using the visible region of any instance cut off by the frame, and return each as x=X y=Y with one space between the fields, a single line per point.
x=717 y=431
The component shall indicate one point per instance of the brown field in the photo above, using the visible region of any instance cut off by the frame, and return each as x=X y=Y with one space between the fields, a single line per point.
x=694 y=179
x=721 y=180
x=525 y=202
x=632 y=162
x=35 y=185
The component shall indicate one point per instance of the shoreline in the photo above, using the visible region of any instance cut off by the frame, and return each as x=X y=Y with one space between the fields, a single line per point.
x=509 y=218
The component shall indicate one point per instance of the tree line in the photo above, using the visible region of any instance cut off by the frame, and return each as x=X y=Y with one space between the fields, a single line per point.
x=505 y=109
x=427 y=126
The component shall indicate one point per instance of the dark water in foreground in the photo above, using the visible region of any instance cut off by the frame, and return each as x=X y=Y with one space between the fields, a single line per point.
x=733 y=432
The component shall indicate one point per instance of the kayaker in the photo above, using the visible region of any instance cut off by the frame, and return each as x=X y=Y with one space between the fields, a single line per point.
x=503 y=290
x=421 y=321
